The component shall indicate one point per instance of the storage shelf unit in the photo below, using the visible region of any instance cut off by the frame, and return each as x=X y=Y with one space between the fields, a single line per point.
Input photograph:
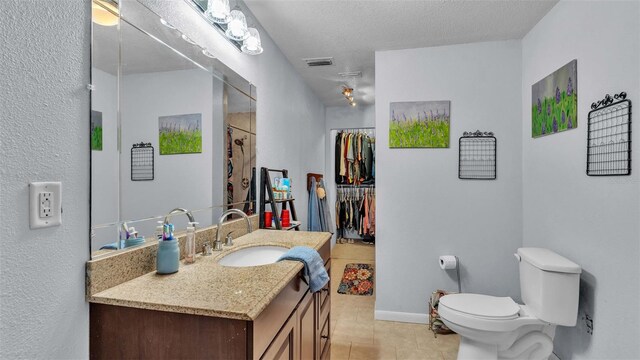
x=267 y=198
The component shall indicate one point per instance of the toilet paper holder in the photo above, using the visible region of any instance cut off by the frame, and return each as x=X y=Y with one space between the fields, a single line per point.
x=450 y=262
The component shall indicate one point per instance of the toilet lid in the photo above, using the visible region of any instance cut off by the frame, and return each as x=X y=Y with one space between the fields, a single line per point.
x=485 y=306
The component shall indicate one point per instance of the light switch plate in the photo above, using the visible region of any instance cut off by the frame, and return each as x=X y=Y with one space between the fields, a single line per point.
x=45 y=204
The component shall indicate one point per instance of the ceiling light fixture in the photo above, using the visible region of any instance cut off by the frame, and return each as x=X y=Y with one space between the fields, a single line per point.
x=252 y=45
x=348 y=94
x=237 y=27
x=104 y=13
x=218 y=11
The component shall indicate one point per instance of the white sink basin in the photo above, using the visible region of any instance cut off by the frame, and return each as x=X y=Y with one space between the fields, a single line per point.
x=253 y=256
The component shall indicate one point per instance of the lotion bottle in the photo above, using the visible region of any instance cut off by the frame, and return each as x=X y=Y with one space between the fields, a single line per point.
x=190 y=244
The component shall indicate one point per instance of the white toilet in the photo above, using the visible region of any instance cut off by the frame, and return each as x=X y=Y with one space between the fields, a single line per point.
x=498 y=328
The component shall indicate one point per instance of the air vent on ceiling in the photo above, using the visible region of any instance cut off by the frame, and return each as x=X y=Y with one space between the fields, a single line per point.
x=351 y=74
x=325 y=61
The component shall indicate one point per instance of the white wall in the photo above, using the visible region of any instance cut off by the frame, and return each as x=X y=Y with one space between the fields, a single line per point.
x=593 y=221
x=341 y=117
x=290 y=124
x=423 y=209
x=44 y=116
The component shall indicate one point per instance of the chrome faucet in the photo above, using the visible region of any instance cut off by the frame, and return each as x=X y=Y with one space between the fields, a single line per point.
x=217 y=245
x=180 y=210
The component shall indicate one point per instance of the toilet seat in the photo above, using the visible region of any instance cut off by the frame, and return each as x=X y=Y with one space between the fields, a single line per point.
x=482 y=306
x=484 y=312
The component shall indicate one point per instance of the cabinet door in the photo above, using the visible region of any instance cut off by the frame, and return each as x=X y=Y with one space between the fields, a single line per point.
x=307 y=327
x=285 y=345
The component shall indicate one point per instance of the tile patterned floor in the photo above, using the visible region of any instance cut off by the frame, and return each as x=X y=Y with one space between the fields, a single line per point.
x=357 y=336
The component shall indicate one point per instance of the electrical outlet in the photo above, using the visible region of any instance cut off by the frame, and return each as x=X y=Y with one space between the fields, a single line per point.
x=45 y=204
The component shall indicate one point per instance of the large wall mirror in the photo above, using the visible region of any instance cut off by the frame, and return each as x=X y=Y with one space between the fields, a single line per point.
x=171 y=127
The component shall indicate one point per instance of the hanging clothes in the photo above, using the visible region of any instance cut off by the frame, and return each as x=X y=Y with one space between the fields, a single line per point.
x=319 y=216
x=354 y=157
x=355 y=212
x=313 y=215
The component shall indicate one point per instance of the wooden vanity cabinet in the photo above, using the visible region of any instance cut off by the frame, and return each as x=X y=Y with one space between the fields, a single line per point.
x=294 y=326
x=306 y=334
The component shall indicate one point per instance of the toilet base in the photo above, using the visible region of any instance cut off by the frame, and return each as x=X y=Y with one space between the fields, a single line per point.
x=534 y=345
x=474 y=350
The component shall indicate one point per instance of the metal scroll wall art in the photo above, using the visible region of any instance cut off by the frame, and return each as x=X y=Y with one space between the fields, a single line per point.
x=142 y=162
x=477 y=158
x=609 y=137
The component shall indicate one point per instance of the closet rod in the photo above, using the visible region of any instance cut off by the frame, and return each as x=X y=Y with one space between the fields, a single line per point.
x=361 y=128
x=343 y=186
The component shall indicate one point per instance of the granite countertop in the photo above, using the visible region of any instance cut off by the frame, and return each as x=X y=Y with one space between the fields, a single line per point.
x=207 y=288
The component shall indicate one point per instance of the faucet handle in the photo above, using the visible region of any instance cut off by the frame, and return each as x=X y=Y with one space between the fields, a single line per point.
x=206 y=249
x=229 y=239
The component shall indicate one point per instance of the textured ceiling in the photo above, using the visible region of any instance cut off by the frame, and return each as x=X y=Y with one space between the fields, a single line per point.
x=351 y=32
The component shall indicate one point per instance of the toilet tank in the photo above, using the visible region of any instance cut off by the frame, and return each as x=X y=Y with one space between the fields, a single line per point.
x=549 y=285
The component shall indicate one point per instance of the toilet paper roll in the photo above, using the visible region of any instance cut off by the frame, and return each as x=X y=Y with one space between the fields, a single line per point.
x=448 y=262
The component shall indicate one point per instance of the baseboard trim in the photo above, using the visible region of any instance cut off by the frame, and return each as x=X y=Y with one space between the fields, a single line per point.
x=402 y=317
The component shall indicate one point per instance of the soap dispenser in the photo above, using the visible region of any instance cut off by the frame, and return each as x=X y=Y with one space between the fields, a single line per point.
x=190 y=244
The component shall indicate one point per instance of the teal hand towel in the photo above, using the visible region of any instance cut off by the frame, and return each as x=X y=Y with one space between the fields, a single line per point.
x=313 y=265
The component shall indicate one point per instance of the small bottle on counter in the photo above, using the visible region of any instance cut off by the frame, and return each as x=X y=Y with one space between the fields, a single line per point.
x=159 y=231
x=190 y=244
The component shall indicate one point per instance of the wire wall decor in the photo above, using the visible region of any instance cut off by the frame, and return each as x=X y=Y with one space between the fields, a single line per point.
x=477 y=158
x=609 y=136
x=142 y=162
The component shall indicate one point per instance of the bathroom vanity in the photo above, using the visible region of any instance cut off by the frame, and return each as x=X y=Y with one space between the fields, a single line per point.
x=207 y=310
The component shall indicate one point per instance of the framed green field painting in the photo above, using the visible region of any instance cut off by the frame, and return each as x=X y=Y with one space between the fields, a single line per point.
x=180 y=134
x=420 y=124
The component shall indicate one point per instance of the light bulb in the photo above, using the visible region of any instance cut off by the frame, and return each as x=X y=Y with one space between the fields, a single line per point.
x=350 y=98
x=252 y=45
x=104 y=13
x=218 y=11
x=237 y=27
x=353 y=103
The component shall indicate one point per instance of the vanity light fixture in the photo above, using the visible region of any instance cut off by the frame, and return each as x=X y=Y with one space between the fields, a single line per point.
x=232 y=24
x=218 y=11
x=104 y=12
x=237 y=27
x=252 y=45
